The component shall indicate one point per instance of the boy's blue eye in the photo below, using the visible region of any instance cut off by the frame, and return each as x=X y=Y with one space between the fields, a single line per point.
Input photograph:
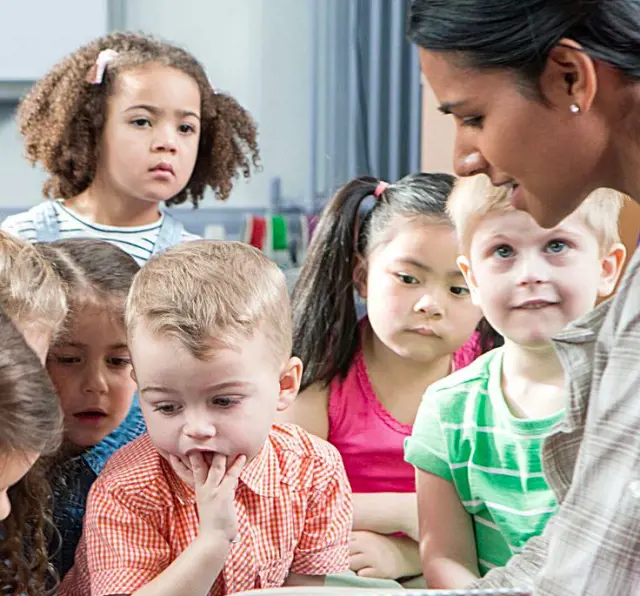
x=504 y=251
x=187 y=128
x=557 y=246
x=141 y=122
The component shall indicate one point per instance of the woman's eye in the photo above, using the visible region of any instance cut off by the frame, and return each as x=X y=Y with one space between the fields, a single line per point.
x=473 y=121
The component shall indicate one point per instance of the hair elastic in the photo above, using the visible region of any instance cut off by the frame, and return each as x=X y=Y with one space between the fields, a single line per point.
x=96 y=74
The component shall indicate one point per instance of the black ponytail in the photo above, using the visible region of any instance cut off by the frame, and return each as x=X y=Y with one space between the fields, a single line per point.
x=324 y=316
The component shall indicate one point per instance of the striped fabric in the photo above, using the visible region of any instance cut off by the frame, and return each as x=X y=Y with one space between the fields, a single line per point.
x=465 y=433
x=138 y=241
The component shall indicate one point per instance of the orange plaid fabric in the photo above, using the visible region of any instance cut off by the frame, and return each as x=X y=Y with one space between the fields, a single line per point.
x=293 y=504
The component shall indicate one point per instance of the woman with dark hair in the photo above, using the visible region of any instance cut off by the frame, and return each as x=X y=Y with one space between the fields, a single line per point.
x=546 y=99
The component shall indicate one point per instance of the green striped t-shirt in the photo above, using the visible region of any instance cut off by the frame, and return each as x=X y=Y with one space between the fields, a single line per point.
x=465 y=433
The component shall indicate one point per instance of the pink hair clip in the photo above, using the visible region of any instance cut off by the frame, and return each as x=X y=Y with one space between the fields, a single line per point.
x=96 y=74
x=382 y=186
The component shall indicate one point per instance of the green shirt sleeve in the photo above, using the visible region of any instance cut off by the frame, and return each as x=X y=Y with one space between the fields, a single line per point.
x=426 y=448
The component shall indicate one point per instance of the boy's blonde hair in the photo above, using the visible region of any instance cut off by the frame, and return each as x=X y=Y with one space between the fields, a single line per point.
x=31 y=292
x=475 y=197
x=209 y=294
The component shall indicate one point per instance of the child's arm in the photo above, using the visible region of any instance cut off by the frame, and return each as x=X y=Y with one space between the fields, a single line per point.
x=310 y=410
x=385 y=557
x=447 y=542
x=193 y=572
x=386 y=513
x=310 y=581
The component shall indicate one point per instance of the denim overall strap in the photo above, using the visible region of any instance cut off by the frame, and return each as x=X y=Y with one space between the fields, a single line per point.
x=170 y=233
x=45 y=222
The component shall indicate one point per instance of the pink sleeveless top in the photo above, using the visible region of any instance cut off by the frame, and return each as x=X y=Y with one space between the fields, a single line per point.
x=369 y=438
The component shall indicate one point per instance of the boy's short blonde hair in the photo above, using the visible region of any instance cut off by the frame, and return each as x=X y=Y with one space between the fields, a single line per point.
x=31 y=292
x=475 y=197
x=208 y=294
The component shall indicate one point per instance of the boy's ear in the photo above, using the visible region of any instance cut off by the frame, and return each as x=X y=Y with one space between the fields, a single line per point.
x=465 y=266
x=612 y=264
x=289 y=383
x=360 y=276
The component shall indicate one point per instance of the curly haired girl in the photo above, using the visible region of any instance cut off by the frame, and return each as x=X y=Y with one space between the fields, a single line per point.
x=125 y=123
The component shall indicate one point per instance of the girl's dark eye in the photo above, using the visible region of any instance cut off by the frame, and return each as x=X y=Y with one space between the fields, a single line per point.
x=460 y=291
x=407 y=279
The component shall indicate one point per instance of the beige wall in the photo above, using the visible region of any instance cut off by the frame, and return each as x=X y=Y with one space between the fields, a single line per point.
x=437 y=135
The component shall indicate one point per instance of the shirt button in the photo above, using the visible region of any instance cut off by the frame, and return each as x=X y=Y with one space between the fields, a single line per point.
x=634 y=489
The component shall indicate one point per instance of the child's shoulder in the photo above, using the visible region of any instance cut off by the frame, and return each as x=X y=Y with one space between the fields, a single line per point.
x=302 y=457
x=134 y=472
x=474 y=375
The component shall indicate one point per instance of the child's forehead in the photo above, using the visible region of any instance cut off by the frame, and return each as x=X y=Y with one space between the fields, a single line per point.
x=156 y=83
x=521 y=226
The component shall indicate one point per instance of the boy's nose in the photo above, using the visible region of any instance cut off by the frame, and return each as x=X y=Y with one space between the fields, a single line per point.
x=199 y=429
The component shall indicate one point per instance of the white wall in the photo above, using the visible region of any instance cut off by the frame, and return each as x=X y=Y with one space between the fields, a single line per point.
x=256 y=50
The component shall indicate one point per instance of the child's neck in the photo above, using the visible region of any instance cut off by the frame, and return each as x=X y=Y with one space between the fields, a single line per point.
x=108 y=208
x=399 y=382
x=532 y=380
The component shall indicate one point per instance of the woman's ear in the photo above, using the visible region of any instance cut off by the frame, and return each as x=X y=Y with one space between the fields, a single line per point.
x=569 y=80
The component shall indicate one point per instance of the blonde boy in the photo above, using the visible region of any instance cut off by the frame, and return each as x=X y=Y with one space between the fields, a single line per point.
x=478 y=436
x=214 y=499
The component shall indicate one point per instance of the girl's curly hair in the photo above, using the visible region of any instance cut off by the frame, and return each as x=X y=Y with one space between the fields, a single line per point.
x=31 y=423
x=63 y=115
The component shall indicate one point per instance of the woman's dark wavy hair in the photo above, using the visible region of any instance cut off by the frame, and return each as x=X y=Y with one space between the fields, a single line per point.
x=325 y=325
x=31 y=422
x=518 y=35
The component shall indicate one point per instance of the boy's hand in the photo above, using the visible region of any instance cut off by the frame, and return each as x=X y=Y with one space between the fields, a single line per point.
x=215 y=488
x=384 y=557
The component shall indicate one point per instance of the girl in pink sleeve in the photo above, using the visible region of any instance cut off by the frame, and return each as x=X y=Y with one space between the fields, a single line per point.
x=393 y=248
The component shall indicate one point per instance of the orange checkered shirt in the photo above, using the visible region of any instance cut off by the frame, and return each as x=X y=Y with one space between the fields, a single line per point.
x=294 y=512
